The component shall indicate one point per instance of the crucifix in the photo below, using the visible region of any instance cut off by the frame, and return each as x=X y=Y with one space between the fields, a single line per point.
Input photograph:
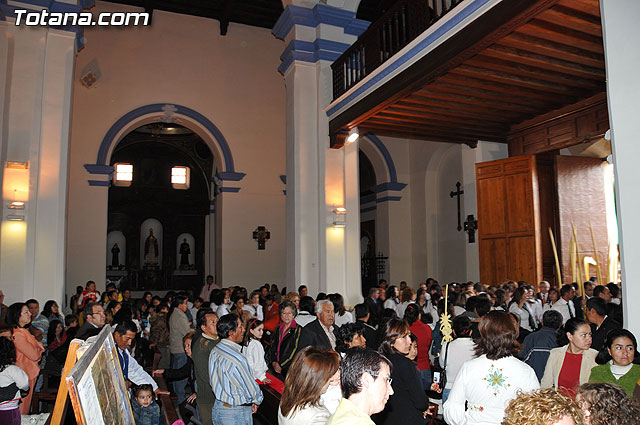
x=261 y=235
x=457 y=193
x=470 y=226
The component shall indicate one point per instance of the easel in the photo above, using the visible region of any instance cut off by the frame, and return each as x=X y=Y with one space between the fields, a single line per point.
x=62 y=400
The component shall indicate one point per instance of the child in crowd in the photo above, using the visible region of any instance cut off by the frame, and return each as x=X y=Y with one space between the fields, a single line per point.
x=12 y=381
x=254 y=351
x=145 y=409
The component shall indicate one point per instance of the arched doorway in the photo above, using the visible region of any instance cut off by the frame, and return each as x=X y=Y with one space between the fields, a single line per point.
x=162 y=191
x=367 y=183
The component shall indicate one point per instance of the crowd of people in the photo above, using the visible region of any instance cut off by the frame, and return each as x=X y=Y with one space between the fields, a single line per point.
x=517 y=355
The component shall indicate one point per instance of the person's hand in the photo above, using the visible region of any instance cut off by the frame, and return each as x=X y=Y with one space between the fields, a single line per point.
x=160 y=392
x=157 y=372
x=277 y=368
x=191 y=398
x=41 y=347
x=266 y=381
x=254 y=408
x=429 y=411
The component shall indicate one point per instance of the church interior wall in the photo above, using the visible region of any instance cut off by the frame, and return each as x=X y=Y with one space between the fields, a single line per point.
x=232 y=81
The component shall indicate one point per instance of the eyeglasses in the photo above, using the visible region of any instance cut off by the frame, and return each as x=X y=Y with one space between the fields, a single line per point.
x=386 y=378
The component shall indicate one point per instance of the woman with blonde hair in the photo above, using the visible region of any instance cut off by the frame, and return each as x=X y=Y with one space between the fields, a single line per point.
x=308 y=378
x=543 y=407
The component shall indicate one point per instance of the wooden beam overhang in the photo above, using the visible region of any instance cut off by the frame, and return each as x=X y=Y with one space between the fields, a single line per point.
x=519 y=60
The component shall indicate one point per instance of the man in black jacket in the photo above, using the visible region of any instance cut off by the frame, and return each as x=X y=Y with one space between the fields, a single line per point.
x=370 y=332
x=375 y=306
x=320 y=332
x=537 y=345
x=94 y=321
x=601 y=324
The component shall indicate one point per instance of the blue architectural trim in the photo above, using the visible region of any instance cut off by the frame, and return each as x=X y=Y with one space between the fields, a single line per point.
x=388 y=198
x=7 y=10
x=367 y=198
x=99 y=169
x=311 y=52
x=230 y=189
x=391 y=167
x=110 y=138
x=364 y=210
x=397 y=187
x=102 y=183
x=231 y=176
x=320 y=14
x=391 y=66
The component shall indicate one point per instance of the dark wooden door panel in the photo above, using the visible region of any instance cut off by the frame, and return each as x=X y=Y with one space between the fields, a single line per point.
x=493 y=264
x=519 y=206
x=522 y=256
x=492 y=204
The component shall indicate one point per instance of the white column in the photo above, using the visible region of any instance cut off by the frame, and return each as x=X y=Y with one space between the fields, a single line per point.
x=40 y=66
x=485 y=151
x=622 y=59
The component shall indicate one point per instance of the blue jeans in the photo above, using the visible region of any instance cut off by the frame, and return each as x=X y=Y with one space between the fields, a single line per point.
x=177 y=361
x=445 y=395
x=425 y=378
x=240 y=415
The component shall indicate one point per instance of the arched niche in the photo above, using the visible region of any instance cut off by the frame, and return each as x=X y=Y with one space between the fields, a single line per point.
x=151 y=225
x=116 y=239
x=191 y=242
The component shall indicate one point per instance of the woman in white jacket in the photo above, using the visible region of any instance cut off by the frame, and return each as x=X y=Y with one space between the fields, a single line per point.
x=487 y=383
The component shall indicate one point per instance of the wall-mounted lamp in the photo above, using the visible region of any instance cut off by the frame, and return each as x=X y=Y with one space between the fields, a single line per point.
x=339 y=217
x=16 y=205
x=354 y=134
x=15 y=217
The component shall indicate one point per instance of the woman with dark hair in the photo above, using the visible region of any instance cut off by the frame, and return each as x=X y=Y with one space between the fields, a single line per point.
x=309 y=377
x=12 y=380
x=569 y=366
x=350 y=335
x=408 y=403
x=615 y=361
x=453 y=354
x=607 y=404
x=284 y=342
x=342 y=315
x=423 y=299
x=552 y=297
x=487 y=383
x=520 y=307
x=392 y=299
x=51 y=311
x=112 y=309
x=499 y=302
x=28 y=349
x=423 y=333
x=56 y=336
x=407 y=296
x=57 y=348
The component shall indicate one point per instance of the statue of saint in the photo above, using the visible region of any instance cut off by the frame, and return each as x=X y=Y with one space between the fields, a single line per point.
x=185 y=250
x=151 y=249
x=115 y=262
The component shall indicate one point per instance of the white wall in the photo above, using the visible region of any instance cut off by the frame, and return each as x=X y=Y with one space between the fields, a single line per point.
x=233 y=81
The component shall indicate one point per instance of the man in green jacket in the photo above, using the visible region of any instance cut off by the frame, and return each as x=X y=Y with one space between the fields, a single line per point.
x=206 y=339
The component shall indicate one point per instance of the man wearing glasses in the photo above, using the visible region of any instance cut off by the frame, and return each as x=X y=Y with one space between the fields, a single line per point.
x=365 y=376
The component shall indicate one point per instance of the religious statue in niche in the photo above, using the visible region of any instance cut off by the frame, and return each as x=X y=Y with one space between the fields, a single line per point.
x=185 y=250
x=115 y=251
x=151 y=251
x=261 y=235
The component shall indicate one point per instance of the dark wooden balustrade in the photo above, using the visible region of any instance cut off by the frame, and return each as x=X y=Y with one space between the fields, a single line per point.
x=384 y=38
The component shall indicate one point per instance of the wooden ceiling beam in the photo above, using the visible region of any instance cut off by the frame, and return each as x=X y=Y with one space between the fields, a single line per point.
x=538 y=60
x=526 y=71
x=513 y=80
x=474 y=93
x=473 y=102
x=489 y=121
x=444 y=105
x=572 y=19
x=590 y=7
x=425 y=137
x=435 y=134
x=556 y=50
x=426 y=115
x=454 y=127
x=559 y=34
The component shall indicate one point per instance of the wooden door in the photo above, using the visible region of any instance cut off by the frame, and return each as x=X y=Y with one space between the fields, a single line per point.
x=509 y=220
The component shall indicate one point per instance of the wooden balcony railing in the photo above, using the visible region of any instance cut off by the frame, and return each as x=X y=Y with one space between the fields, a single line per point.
x=384 y=38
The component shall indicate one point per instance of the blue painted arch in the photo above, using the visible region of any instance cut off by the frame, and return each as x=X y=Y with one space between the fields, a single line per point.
x=393 y=183
x=110 y=137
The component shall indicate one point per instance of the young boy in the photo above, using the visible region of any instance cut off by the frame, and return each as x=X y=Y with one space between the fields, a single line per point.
x=145 y=409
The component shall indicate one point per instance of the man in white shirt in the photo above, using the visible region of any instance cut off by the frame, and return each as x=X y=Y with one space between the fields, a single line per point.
x=543 y=295
x=565 y=304
x=123 y=335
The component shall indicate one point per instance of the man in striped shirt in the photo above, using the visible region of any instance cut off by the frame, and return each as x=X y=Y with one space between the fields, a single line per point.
x=237 y=393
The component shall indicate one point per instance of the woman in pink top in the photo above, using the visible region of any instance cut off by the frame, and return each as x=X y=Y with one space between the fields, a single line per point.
x=28 y=349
